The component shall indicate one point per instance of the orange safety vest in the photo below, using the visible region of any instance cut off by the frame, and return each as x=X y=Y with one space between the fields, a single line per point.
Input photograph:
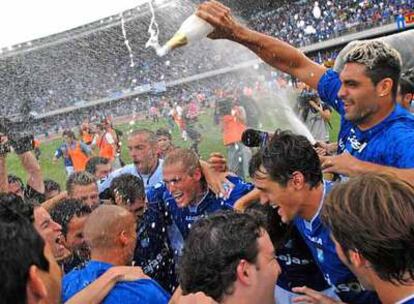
x=78 y=157
x=87 y=137
x=106 y=149
x=232 y=129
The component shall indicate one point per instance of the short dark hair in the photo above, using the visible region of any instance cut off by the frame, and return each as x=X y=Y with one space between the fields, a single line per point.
x=81 y=178
x=214 y=248
x=373 y=214
x=407 y=82
x=380 y=60
x=51 y=185
x=15 y=179
x=63 y=212
x=128 y=186
x=21 y=247
x=18 y=205
x=163 y=132
x=287 y=153
x=95 y=161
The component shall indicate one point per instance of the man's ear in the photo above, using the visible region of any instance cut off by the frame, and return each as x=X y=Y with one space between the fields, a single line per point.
x=244 y=272
x=407 y=98
x=197 y=174
x=35 y=287
x=297 y=180
x=384 y=87
x=123 y=238
x=357 y=259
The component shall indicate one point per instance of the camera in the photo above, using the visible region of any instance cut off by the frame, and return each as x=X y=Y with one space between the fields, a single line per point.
x=255 y=138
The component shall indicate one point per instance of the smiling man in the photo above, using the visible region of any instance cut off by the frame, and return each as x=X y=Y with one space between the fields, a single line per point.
x=363 y=94
x=382 y=257
x=290 y=178
x=186 y=197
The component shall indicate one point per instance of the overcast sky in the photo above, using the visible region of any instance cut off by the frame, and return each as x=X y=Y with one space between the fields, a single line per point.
x=24 y=20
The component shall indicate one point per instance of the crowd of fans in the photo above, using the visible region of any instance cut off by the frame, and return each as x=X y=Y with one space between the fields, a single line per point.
x=315 y=224
x=68 y=73
x=297 y=23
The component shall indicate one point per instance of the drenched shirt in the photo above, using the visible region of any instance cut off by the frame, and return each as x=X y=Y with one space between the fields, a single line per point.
x=389 y=143
x=140 y=291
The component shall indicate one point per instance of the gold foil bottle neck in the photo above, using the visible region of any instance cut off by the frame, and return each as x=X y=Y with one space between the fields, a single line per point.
x=177 y=40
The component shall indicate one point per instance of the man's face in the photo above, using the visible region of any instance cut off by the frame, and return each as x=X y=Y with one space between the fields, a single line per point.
x=360 y=97
x=88 y=194
x=142 y=152
x=137 y=208
x=267 y=270
x=183 y=186
x=164 y=143
x=67 y=139
x=405 y=100
x=50 y=231
x=74 y=236
x=16 y=188
x=52 y=278
x=278 y=196
x=360 y=272
x=102 y=170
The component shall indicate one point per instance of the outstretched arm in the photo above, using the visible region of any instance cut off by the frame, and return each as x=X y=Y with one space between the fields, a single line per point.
x=273 y=51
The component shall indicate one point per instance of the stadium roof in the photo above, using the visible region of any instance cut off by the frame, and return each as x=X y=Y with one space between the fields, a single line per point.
x=22 y=20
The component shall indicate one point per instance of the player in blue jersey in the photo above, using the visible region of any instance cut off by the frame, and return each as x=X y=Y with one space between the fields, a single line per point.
x=110 y=232
x=186 y=196
x=229 y=257
x=376 y=133
x=152 y=251
x=294 y=257
x=290 y=178
x=371 y=218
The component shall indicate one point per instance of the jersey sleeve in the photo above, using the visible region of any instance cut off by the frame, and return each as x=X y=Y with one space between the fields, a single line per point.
x=240 y=189
x=328 y=88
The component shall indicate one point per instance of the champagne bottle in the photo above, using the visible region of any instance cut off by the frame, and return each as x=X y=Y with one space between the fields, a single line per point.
x=192 y=30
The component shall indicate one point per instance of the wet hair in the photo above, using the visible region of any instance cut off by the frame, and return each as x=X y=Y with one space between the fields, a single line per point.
x=287 y=153
x=15 y=179
x=81 y=178
x=51 y=185
x=63 y=212
x=18 y=205
x=163 y=132
x=380 y=60
x=151 y=137
x=186 y=157
x=213 y=250
x=129 y=187
x=407 y=82
x=373 y=214
x=20 y=247
x=93 y=162
x=278 y=231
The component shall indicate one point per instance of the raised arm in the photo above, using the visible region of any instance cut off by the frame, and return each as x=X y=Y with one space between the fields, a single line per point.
x=273 y=51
